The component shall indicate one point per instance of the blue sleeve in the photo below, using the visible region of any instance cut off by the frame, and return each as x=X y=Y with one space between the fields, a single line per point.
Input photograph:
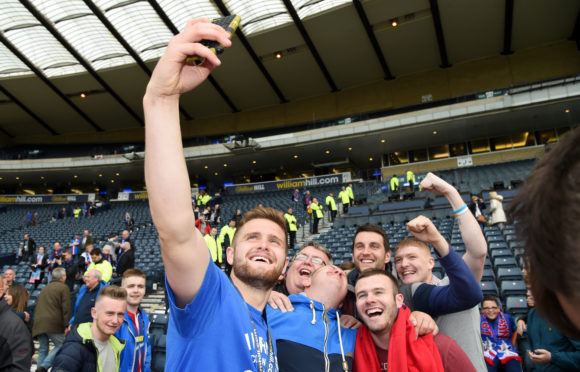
x=463 y=291
x=567 y=360
x=147 y=367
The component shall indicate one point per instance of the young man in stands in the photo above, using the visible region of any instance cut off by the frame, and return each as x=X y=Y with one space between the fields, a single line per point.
x=387 y=338
x=209 y=313
x=214 y=246
x=136 y=356
x=312 y=329
x=99 y=263
x=92 y=346
x=414 y=264
x=547 y=221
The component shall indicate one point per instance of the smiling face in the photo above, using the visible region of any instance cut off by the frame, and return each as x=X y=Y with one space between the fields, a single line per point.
x=108 y=315
x=414 y=264
x=300 y=269
x=258 y=255
x=9 y=276
x=490 y=309
x=369 y=251
x=377 y=302
x=135 y=286
x=329 y=280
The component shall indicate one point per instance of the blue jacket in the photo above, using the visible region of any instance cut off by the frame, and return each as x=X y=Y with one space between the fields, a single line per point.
x=128 y=333
x=565 y=351
x=82 y=292
x=307 y=338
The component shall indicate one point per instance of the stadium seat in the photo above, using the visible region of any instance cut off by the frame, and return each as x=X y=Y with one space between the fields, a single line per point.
x=489 y=288
x=494 y=253
x=509 y=273
x=504 y=262
x=488 y=276
x=513 y=287
x=516 y=305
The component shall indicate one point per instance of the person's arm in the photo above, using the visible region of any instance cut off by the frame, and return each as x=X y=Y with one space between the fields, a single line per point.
x=65 y=306
x=184 y=252
x=565 y=360
x=475 y=244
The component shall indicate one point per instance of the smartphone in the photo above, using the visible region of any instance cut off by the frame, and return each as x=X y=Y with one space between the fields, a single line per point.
x=230 y=24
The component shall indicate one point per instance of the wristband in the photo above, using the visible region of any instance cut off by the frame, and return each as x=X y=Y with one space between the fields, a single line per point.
x=461 y=209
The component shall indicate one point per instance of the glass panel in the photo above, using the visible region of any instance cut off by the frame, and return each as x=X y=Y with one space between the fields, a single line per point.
x=398 y=157
x=306 y=8
x=418 y=155
x=438 y=152
x=10 y=65
x=259 y=15
x=458 y=149
x=501 y=143
x=547 y=136
x=182 y=11
x=478 y=146
x=523 y=139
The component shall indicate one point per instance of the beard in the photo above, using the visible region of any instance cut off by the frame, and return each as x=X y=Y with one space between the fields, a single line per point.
x=256 y=277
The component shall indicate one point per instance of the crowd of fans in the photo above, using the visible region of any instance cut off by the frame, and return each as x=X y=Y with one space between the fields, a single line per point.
x=378 y=317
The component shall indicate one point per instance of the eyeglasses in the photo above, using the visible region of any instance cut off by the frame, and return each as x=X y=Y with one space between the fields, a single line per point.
x=490 y=308
x=313 y=259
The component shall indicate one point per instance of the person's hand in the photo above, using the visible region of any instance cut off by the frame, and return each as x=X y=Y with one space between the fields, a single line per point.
x=521 y=327
x=66 y=331
x=540 y=356
x=435 y=185
x=26 y=317
x=349 y=321
x=423 y=324
x=423 y=229
x=173 y=75
x=278 y=300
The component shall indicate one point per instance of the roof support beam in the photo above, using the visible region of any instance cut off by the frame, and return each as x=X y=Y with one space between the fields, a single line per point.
x=48 y=25
x=222 y=7
x=576 y=32
x=508 y=27
x=439 y=33
x=46 y=81
x=161 y=13
x=372 y=38
x=105 y=21
x=309 y=43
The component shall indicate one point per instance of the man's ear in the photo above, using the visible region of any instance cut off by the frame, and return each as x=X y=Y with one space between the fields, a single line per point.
x=93 y=312
x=399 y=300
x=387 y=256
x=285 y=265
x=230 y=255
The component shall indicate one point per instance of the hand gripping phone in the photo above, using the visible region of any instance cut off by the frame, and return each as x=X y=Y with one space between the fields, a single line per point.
x=230 y=24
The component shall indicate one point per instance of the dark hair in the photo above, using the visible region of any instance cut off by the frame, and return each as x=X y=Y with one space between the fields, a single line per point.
x=96 y=252
x=411 y=242
x=373 y=272
x=20 y=298
x=265 y=213
x=347 y=265
x=548 y=222
x=489 y=297
x=374 y=229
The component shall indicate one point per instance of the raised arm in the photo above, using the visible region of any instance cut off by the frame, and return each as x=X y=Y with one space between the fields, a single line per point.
x=475 y=245
x=183 y=249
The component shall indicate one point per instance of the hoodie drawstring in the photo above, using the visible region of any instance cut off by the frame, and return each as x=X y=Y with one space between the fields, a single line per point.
x=313 y=313
x=344 y=363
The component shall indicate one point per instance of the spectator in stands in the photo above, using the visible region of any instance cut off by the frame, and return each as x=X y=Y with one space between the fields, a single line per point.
x=28 y=247
x=214 y=246
x=74 y=245
x=55 y=255
x=38 y=263
x=347 y=267
x=316 y=214
x=61 y=213
x=136 y=355
x=411 y=179
x=462 y=326
x=237 y=216
x=87 y=297
x=87 y=239
x=306 y=199
x=84 y=210
x=496 y=213
x=16 y=347
x=344 y=199
x=350 y=194
x=388 y=338
x=128 y=220
x=394 y=182
x=215 y=217
x=99 y=263
x=476 y=206
x=9 y=276
x=85 y=258
x=312 y=329
x=125 y=237
x=126 y=260
x=202 y=226
x=548 y=223
x=71 y=267
x=291 y=227
x=93 y=346
x=29 y=218
x=331 y=206
x=107 y=255
x=202 y=299
x=51 y=316
x=296 y=196
x=549 y=349
x=203 y=199
x=498 y=334
x=77 y=211
x=17 y=297
x=226 y=239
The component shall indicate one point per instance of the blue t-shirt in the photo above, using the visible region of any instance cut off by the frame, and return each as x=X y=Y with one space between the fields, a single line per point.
x=214 y=332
